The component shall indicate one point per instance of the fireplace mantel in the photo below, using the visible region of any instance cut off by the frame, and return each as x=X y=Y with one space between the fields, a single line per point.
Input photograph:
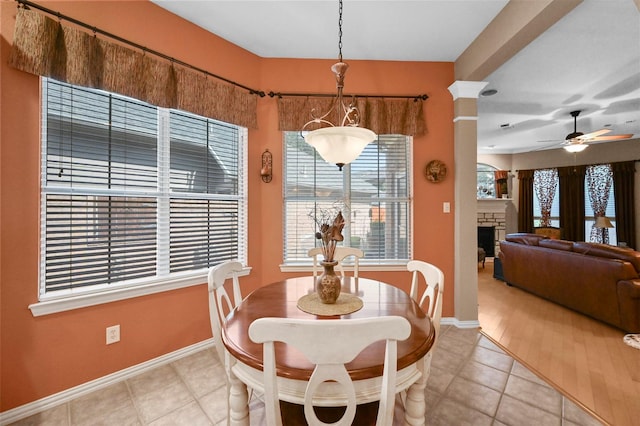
x=493 y=205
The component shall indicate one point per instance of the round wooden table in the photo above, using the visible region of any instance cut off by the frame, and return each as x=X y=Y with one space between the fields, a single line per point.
x=280 y=300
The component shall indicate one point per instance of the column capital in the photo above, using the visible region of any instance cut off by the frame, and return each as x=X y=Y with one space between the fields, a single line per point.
x=467 y=89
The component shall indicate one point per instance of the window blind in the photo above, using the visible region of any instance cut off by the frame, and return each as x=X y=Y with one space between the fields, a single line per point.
x=133 y=193
x=372 y=192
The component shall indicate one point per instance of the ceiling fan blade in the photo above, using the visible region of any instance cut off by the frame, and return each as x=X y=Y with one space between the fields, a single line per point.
x=590 y=136
x=611 y=137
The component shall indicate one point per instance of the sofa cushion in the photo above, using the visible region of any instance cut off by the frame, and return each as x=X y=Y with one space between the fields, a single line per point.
x=525 y=238
x=611 y=252
x=556 y=244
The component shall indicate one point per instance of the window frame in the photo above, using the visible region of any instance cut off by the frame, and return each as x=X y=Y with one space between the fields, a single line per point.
x=304 y=264
x=491 y=182
x=63 y=300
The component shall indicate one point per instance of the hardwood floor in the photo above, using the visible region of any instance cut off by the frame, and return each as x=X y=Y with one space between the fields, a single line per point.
x=583 y=358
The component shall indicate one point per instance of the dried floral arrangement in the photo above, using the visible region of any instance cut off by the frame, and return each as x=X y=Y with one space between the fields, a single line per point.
x=329 y=230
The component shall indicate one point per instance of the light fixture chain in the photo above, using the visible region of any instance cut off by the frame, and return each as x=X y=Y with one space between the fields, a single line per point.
x=340 y=31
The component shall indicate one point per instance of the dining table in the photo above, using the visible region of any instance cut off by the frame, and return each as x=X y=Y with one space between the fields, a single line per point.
x=283 y=299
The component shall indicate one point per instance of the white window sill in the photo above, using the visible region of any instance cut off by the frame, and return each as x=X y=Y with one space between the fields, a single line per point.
x=365 y=268
x=55 y=304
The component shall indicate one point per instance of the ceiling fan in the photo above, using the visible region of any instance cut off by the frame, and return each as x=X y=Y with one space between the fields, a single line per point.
x=578 y=141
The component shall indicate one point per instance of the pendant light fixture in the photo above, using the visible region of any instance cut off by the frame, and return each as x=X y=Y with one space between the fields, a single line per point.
x=343 y=142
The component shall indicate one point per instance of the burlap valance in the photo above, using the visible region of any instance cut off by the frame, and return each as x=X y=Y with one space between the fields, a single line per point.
x=45 y=47
x=385 y=116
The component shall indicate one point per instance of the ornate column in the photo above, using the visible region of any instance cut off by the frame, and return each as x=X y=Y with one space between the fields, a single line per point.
x=465 y=117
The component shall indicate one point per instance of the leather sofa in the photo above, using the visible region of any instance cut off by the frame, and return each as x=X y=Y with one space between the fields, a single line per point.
x=598 y=280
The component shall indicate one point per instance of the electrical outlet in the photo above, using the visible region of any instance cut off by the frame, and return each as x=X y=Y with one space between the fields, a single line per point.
x=446 y=207
x=113 y=334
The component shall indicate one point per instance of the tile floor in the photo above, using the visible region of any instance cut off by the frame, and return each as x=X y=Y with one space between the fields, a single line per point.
x=472 y=382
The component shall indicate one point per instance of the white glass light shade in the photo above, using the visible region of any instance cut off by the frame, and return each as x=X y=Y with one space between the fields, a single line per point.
x=340 y=145
x=576 y=147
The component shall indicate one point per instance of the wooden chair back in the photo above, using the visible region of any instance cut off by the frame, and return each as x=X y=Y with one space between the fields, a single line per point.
x=330 y=344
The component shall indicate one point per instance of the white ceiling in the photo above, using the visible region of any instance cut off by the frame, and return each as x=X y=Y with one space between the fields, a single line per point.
x=588 y=61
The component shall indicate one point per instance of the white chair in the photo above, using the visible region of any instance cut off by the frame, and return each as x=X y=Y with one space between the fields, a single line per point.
x=330 y=344
x=434 y=287
x=220 y=305
x=340 y=255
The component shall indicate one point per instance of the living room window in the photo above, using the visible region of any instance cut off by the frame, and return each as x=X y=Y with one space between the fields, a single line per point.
x=486 y=181
x=133 y=194
x=373 y=193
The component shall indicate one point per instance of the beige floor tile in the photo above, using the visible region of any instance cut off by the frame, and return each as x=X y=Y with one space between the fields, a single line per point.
x=493 y=359
x=474 y=395
x=56 y=416
x=201 y=372
x=459 y=347
x=159 y=402
x=485 y=375
x=532 y=393
x=488 y=344
x=514 y=412
x=150 y=381
x=214 y=404
x=466 y=335
x=189 y=415
x=521 y=371
x=448 y=361
x=126 y=416
x=450 y=412
x=113 y=402
x=439 y=379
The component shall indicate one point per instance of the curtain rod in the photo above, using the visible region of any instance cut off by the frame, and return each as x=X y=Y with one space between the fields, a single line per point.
x=594 y=164
x=28 y=4
x=327 y=95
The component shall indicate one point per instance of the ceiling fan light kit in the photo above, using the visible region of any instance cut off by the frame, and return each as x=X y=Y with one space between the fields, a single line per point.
x=578 y=141
x=576 y=147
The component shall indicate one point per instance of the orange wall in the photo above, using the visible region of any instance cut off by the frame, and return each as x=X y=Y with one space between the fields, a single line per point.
x=44 y=355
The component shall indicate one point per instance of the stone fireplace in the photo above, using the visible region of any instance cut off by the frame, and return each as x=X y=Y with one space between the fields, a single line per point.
x=492 y=214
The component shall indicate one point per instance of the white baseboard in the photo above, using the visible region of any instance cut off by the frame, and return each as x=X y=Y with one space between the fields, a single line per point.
x=460 y=324
x=67 y=395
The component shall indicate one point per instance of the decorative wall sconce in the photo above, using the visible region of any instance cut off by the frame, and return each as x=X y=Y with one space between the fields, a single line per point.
x=266 y=172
